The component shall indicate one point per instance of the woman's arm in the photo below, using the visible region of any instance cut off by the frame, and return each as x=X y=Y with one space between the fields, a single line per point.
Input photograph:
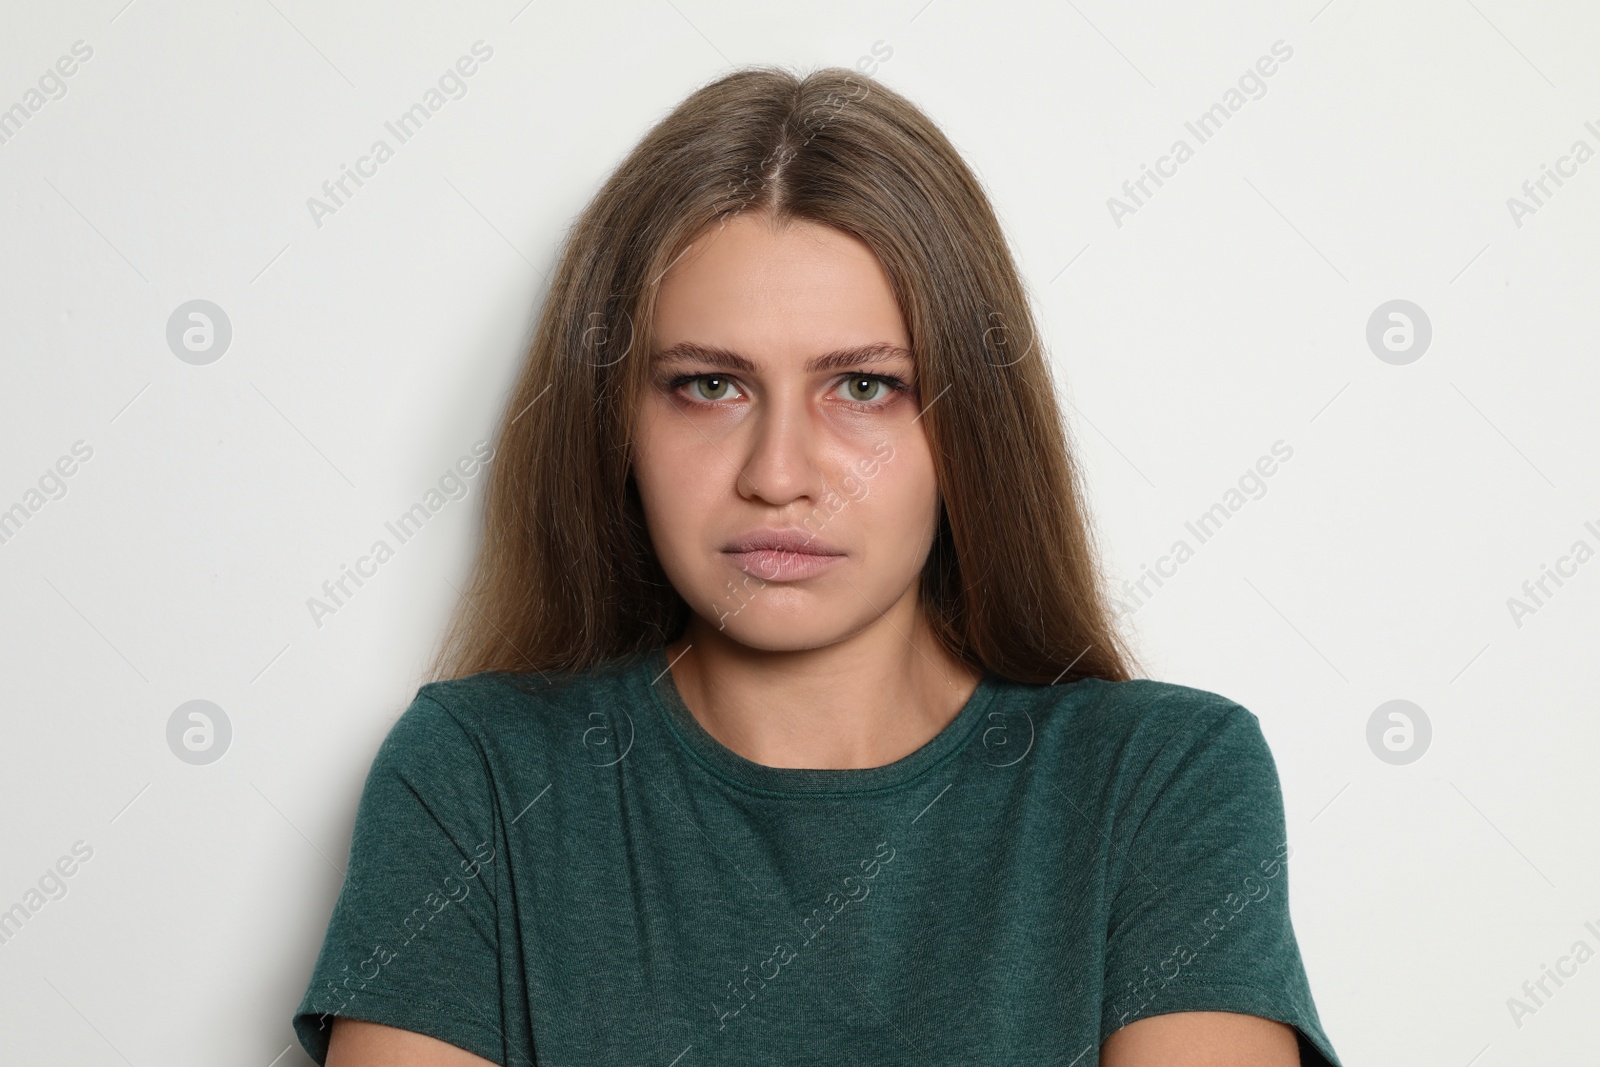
x=1178 y=1039
x=1200 y=1039
x=356 y=1043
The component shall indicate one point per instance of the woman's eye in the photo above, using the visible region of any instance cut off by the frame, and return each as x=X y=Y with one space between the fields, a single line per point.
x=861 y=389
x=710 y=387
x=864 y=390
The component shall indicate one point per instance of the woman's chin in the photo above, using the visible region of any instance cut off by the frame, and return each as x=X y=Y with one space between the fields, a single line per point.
x=769 y=628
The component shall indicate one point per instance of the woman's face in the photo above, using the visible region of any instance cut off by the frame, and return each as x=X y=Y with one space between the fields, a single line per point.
x=783 y=401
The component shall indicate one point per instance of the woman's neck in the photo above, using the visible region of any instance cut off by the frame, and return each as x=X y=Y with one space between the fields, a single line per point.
x=865 y=701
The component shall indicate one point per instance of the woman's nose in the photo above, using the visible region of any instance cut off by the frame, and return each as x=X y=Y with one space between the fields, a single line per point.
x=780 y=460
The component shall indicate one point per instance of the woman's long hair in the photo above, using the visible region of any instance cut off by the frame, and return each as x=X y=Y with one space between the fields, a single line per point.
x=566 y=576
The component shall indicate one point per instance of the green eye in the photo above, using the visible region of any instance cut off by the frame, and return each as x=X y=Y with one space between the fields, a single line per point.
x=718 y=386
x=867 y=391
x=859 y=385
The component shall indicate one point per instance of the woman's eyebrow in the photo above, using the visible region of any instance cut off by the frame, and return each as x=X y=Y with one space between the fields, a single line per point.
x=858 y=355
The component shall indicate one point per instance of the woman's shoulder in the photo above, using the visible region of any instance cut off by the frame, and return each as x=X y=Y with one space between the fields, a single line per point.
x=1134 y=703
x=491 y=709
x=1177 y=755
x=1139 y=718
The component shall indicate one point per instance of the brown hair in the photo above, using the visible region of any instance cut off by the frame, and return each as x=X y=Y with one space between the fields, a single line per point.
x=566 y=576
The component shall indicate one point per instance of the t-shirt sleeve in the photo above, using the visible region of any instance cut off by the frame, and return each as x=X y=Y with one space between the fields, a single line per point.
x=412 y=942
x=1199 y=877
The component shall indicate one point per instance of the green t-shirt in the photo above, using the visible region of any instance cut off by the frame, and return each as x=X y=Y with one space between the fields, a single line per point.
x=575 y=872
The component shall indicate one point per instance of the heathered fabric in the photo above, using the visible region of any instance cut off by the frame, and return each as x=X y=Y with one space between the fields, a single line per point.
x=575 y=872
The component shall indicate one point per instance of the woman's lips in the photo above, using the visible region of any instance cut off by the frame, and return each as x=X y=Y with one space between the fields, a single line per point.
x=782 y=565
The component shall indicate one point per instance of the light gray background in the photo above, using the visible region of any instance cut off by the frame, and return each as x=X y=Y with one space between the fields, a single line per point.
x=1227 y=313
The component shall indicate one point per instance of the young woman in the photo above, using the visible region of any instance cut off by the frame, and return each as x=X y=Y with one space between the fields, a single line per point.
x=785 y=720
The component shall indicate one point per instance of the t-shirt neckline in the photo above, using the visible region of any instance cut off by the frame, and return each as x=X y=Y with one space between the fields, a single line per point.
x=655 y=675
